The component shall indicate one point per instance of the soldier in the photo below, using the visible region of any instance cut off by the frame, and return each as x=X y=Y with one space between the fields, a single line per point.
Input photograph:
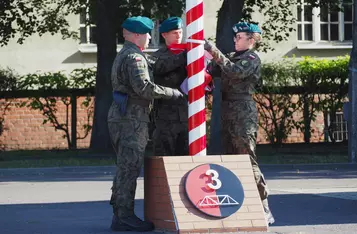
x=170 y=136
x=240 y=74
x=128 y=119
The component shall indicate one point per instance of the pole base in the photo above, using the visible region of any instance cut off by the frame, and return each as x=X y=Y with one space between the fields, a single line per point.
x=169 y=207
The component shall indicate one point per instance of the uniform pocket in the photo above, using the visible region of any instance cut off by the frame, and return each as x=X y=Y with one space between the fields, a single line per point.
x=134 y=134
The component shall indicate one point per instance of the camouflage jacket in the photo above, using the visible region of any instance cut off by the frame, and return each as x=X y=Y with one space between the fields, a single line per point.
x=240 y=73
x=131 y=74
x=169 y=70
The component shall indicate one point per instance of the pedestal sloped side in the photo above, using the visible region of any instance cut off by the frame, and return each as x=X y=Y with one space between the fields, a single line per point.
x=168 y=175
x=157 y=204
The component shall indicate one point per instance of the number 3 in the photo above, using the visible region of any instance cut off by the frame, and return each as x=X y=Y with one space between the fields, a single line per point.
x=215 y=179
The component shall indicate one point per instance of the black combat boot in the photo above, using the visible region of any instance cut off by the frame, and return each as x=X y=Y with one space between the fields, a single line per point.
x=118 y=226
x=131 y=223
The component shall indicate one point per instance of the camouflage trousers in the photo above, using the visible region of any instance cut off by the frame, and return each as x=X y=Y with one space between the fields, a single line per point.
x=129 y=139
x=170 y=138
x=236 y=141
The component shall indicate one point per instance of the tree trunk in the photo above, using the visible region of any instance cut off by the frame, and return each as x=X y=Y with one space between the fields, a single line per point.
x=106 y=44
x=229 y=14
x=307 y=118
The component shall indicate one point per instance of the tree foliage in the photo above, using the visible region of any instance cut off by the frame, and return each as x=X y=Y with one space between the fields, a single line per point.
x=20 y=19
x=320 y=86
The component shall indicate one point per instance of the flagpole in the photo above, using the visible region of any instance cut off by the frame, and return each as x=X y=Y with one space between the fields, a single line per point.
x=196 y=84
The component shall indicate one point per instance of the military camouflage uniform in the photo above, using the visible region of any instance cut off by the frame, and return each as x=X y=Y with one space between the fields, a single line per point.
x=170 y=136
x=240 y=76
x=129 y=132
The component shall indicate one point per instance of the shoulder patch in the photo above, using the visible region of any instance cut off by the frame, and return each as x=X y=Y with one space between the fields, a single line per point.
x=251 y=56
x=244 y=62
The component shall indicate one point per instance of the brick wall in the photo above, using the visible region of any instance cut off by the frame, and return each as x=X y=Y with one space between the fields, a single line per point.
x=24 y=128
x=297 y=136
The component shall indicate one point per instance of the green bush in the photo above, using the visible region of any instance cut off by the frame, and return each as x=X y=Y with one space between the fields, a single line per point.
x=324 y=80
x=276 y=110
x=320 y=84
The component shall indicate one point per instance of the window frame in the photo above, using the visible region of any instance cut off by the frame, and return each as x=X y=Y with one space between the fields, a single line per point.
x=340 y=134
x=316 y=42
x=89 y=47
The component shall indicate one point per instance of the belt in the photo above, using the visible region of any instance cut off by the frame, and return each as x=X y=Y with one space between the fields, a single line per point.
x=170 y=102
x=236 y=96
x=140 y=102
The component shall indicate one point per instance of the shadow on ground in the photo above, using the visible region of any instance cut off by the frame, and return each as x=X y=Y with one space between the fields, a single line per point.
x=95 y=217
x=58 y=218
x=310 y=209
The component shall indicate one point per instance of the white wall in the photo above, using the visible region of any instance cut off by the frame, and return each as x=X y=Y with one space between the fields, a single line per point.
x=46 y=53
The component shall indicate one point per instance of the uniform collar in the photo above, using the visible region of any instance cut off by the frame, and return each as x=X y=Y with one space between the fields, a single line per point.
x=132 y=45
x=239 y=53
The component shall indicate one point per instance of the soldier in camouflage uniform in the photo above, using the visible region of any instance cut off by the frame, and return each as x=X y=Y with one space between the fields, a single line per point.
x=128 y=119
x=170 y=136
x=240 y=73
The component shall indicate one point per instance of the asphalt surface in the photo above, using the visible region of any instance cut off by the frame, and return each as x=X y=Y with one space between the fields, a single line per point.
x=74 y=200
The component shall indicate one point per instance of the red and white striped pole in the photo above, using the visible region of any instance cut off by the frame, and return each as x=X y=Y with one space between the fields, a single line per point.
x=195 y=70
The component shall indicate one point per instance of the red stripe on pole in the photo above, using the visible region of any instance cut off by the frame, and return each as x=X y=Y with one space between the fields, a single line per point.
x=198 y=145
x=190 y=46
x=196 y=93
x=198 y=36
x=194 y=13
x=196 y=66
x=197 y=119
x=194 y=18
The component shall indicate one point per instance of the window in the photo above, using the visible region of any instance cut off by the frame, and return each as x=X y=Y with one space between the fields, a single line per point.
x=88 y=34
x=87 y=31
x=339 y=128
x=324 y=24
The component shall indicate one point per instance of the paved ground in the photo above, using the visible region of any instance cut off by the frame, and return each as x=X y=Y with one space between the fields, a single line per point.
x=305 y=199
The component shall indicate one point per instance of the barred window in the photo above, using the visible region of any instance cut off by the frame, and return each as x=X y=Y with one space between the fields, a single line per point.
x=339 y=127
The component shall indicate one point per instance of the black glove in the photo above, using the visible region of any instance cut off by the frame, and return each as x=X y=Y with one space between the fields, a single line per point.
x=208 y=45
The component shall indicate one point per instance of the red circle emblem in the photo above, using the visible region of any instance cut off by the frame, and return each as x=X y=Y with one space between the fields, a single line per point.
x=214 y=190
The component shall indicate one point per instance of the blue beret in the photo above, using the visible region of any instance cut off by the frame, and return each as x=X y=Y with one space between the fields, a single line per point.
x=138 y=24
x=246 y=27
x=169 y=24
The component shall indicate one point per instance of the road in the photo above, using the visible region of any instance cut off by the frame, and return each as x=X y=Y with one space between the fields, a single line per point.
x=304 y=199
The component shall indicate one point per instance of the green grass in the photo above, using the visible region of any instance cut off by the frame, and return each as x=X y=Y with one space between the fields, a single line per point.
x=53 y=158
x=30 y=163
x=302 y=158
x=84 y=157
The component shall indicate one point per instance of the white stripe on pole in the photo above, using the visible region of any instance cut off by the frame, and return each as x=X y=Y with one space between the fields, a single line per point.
x=192 y=4
x=202 y=153
x=196 y=106
x=194 y=27
x=196 y=80
x=193 y=53
x=197 y=132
